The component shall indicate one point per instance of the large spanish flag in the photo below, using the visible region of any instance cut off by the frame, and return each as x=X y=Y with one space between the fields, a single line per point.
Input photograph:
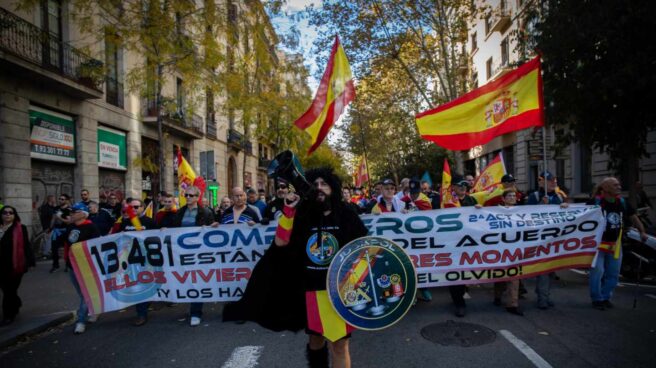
x=491 y=175
x=510 y=103
x=335 y=92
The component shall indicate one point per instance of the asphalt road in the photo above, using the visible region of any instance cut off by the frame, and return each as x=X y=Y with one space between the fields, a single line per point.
x=570 y=335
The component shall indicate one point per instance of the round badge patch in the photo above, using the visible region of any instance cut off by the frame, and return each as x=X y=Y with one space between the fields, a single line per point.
x=371 y=283
x=322 y=254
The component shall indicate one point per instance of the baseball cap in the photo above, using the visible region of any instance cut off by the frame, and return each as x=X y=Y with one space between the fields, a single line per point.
x=547 y=175
x=80 y=207
x=508 y=179
x=388 y=182
x=415 y=186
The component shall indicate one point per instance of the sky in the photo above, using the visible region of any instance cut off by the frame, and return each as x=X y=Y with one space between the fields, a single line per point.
x=307 y=35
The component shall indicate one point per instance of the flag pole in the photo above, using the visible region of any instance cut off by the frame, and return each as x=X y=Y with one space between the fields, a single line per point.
x=544 y=154
x=364 y=151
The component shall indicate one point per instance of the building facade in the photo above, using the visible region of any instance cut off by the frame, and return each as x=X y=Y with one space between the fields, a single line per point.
x=64 y=128
x=492 y=48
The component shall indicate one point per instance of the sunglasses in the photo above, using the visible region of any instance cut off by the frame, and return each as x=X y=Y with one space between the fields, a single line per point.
x=190 y=195
x=8 y=213
x=62 y=199
x=282 y=187
x=136 y=207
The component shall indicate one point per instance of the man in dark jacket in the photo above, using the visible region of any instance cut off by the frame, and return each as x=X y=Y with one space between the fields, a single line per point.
x=189 y=215
x=102 y=219
x=275 y=206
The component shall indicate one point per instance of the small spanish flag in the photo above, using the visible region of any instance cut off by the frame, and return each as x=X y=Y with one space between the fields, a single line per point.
x=322 y=318
x=362 y=175
x=512 y=102
x=448 y=199
x=491 y=175
x=336 y=90
x=186 y=178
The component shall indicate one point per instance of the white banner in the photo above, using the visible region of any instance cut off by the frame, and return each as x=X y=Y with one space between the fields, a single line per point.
x=448 y=247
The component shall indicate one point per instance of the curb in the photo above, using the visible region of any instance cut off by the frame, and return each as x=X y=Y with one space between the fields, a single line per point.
x=55 y=320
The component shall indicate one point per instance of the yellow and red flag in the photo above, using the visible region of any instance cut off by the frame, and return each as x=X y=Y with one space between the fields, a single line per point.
x=448 y=199
x=322 y=318
x=491 y=175
x=361 y=176
x=335 y=91
x=510 y=103
x=186 y=178
x=149 y=210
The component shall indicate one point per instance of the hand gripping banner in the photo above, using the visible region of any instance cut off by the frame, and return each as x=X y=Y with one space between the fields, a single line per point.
x=447 y=247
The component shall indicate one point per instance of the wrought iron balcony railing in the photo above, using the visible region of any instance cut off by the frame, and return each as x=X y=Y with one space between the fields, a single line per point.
x=27 y=41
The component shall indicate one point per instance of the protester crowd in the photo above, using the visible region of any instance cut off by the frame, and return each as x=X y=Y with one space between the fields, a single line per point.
x=66 y=221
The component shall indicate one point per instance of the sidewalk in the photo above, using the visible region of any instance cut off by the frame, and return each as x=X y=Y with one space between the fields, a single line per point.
x=48 y=300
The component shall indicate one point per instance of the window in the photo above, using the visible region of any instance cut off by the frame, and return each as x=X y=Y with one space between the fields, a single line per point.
x=113 y=63
x=488 y=68
x=475 y=80
x=488 y=24
x=179 y=95
x=52 y=23
x=502 y=5
x=210 y=119
x=504 y=52
x=232 y=20
x=473 y=42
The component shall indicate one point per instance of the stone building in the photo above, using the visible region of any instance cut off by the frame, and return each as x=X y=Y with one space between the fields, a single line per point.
x=492 y=48
x=63 y=128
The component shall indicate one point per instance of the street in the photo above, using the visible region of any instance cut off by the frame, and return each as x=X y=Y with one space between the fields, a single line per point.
x=572 y=334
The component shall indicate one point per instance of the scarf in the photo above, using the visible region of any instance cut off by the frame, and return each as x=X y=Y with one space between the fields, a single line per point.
x=18 y=250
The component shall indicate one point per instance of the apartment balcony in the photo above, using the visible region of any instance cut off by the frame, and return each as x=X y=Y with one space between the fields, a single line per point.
x=500 y=69
x=501 y=19
x=238 y=141
x=34 y=54
x=178 y=122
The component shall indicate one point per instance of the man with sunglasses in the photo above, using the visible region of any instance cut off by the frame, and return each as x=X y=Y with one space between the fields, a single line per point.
x=275 y=206
x=126 y=225
x=112 y=206
x=140 y=210
x=189 y=215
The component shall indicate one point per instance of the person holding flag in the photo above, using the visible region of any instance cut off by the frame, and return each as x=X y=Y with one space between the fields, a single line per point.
x=448 y=198
x=134 y=219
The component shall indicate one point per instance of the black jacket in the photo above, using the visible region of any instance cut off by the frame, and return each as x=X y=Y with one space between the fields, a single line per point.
x=275 y=294
x=7 y=252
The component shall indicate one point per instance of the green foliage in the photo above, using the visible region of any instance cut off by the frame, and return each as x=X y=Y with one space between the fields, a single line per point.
x=324 y=156
x=405 y=56
x=596 y=81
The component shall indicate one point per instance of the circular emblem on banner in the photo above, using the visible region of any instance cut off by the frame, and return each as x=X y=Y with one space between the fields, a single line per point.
x=371 y=283
x=322 y=255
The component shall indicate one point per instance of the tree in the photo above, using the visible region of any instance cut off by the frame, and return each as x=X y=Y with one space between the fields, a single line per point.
x=407 y=56
x=596 y=81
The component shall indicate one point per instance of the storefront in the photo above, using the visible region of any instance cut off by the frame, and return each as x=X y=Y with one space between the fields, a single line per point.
x=112 y=162
x=52 y=152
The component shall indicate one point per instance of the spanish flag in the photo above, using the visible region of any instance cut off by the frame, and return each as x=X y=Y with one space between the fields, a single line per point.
x=510 y=103
x=448 y=199
x=335 y=92
x=491 y=175
x=361 y=176
x=322 y=318
x=186 y=178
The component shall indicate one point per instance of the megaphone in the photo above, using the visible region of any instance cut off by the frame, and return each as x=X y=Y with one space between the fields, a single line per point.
x=286 y=166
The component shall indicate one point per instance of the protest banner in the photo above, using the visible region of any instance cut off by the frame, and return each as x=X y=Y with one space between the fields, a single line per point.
x=448 y=247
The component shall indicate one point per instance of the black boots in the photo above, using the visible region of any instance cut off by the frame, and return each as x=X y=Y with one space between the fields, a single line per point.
x=317 y=358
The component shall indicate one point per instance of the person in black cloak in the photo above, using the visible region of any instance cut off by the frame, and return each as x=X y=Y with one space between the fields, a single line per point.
x=292 y=273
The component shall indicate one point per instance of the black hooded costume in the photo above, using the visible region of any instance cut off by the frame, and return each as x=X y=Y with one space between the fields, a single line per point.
x=275 y=294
